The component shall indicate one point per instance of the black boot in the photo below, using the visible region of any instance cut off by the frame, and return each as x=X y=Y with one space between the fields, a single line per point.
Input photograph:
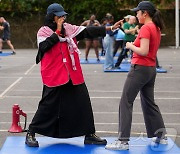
x=31 y=140
x=93 y=139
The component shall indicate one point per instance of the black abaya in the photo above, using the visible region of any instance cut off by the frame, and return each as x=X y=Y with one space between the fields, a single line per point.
x=64 y=112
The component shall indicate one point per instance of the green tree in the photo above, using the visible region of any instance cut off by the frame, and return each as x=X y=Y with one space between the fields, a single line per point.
x=78 y=9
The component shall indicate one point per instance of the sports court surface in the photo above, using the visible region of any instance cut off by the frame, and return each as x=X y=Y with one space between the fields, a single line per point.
x=20 y=83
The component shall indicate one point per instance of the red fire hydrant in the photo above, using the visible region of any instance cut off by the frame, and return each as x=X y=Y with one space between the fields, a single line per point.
x=16 y=112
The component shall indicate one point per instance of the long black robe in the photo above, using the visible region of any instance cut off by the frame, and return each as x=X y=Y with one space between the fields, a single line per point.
x=64 y=111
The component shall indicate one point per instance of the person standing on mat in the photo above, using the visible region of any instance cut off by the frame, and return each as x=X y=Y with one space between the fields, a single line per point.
x=141 y=78
x=5 y=35
x=91 y=41
x=65 y=108
x=101 y=39
x=130 y=29
x=108 y=44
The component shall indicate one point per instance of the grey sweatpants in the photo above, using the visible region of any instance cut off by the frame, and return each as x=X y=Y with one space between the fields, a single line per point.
x=140 y=79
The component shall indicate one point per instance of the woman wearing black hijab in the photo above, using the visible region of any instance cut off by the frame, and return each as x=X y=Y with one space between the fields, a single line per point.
x=65 y=108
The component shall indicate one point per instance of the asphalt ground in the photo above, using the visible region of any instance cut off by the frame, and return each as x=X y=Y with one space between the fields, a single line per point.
x=20 y=83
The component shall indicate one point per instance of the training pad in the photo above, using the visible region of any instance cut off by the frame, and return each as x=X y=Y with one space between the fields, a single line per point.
x=47 y=145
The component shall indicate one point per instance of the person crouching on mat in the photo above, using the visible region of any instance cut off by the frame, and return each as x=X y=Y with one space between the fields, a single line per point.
x=141 y=78
x=65 y=108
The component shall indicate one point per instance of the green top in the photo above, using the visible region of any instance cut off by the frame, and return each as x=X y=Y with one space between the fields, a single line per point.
x=131 y=36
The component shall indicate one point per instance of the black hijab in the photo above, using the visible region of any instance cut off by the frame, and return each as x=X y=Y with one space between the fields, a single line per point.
x=49 y=21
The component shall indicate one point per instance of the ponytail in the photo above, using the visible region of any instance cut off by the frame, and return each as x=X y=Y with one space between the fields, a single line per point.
x=157 y=19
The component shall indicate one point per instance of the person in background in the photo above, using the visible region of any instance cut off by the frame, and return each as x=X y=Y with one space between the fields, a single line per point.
x=127 y=18
x=65 y=108
x=108 y=45
x=91 y=41
x=157 y=64
x=118 y=39
x=101 y=39
x=5 y=35
x=130 y=29
x=141 y=78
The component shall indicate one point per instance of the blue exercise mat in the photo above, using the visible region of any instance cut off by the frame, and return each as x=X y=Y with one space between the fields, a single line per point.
x=91 y=61
x=161 y=70
x=6 y=53
x=126 y=67
x=47 y=145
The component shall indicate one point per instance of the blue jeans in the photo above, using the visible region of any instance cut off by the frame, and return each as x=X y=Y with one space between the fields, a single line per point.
x=108 y=47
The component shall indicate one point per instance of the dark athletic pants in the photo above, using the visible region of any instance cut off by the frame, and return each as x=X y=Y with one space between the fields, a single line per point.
x=118 y=43
x=140 y=79
x=122 y=54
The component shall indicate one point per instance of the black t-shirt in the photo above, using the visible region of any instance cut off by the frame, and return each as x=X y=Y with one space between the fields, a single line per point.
x=6 y=31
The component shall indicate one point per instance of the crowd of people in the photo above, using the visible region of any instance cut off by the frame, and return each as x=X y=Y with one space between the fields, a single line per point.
x=113 y=39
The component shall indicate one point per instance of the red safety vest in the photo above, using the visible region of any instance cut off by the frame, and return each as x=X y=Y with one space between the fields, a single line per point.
x=56 y=66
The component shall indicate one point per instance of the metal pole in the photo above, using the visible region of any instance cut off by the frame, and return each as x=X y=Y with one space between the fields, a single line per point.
x=177 y=23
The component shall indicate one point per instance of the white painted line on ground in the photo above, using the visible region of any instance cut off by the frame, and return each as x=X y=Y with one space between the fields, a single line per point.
x=107 y=113
x=118 y=91
x=8 y=77
x=12 y=77
x=37 y=75
x=25 y=90
x=168 y=77
x=10 y=87
x=138 y=113
x=101 y=91
x=23 y=97
x=171 y=124
x=30 y=69
x=13 y=84
x=160 y=98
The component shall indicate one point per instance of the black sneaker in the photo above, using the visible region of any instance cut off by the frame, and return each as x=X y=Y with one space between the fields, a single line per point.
x=31 y=140
x=117 y=67
x=13 y=53
x=94 y=139
x=86 y=60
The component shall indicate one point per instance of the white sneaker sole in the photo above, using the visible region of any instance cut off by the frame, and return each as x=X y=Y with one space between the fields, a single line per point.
x=110 y=147
x=162 y=141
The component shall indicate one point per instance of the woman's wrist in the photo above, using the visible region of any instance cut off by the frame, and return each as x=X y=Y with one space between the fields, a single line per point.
x=58 y=32
x=112 y=28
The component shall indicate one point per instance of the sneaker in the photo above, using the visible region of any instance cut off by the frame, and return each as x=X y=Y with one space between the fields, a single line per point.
x=117 y=145
x=98 y=60
x=109 y=68
x=13 y=53
x=160 y=140
x=159 y=67
x=117 y=67
x=94 y=139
